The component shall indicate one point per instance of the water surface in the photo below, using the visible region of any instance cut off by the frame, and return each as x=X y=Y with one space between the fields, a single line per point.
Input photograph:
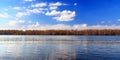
x=38 y=47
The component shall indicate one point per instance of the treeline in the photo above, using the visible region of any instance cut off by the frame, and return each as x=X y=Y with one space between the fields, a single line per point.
x=60 y=32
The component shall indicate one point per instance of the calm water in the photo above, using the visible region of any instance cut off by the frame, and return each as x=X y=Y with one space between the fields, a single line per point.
x=59 y=47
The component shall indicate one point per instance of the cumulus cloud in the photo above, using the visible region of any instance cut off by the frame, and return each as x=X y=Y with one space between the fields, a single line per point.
x=36 y=11
x=73 y=27
x=65 y=15
x=49 y=27
x=104 y=27
x=54 y=6
x=39 y=4
x=16 y=22
x=37 y=8
x=53 y=13
x=57 y=4
x=29 y=25
x=30 y=11
x=4 y=15
x=20 y=14
x=33 y=9
x=76 y=26
x=35 y=25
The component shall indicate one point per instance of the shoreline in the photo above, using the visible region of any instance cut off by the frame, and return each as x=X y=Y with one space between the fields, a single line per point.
x=104 y=32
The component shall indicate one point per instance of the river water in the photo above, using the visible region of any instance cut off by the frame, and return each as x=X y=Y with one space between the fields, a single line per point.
x=47 y=47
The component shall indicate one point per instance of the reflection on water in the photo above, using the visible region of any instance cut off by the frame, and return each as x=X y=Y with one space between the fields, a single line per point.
x=59 y=48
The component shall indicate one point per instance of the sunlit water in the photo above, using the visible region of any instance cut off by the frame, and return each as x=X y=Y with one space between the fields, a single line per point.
x=39 y=47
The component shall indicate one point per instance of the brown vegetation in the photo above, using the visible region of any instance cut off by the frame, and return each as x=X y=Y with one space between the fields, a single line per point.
x=60 y=32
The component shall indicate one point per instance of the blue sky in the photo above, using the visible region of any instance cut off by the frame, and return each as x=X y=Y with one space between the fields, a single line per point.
x=59 y=14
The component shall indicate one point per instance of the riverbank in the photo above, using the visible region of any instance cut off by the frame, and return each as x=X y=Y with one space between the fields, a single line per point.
x=60 y=32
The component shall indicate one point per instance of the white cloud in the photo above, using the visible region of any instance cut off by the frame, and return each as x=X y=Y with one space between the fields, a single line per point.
x=60 y=27
x=37 y=26
x=29 y=25
x=4 y=15
x=54 y=6
x=53 y=13
x=104 y=27
x=34 y=11
x=79 y=25
x=57 y=4
x=34 y=25
x=20 y=14
x=39 y=5
x=48 y=27
x=30 y=11
x=57 y=27
x=16 y=22
x=16 y=8
x=64 y=15
x=37 y=8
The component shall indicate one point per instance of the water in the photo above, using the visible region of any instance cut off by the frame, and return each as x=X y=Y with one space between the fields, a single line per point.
x=20 y=47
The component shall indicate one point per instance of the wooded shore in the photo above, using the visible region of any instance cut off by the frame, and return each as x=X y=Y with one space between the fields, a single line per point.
x=60 y=32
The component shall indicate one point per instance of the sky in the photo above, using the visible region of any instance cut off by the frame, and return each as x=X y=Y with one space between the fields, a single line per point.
x=59 y=14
